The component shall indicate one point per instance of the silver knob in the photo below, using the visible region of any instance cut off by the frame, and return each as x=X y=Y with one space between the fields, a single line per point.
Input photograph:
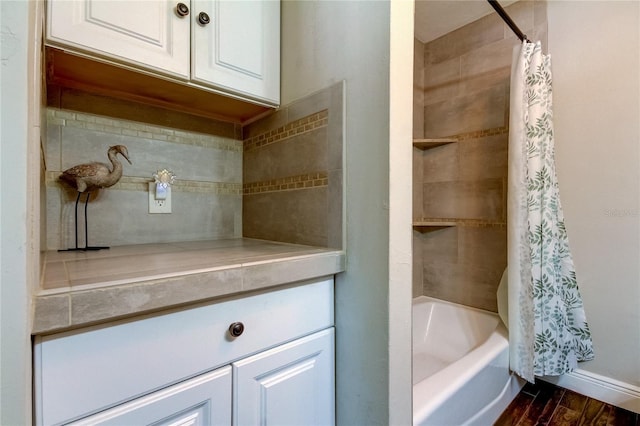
x=203 y=18
x=182 y=9
x=236 y=329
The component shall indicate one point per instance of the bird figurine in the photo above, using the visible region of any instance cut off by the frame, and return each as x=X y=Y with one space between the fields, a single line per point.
x=89 y=177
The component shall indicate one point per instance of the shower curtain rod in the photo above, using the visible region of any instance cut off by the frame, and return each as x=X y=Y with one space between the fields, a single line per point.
x=508 y=20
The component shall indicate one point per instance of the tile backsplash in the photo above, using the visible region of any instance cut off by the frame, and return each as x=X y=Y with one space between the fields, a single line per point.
x=278 y=178
x=206 y=198
x=292 y=178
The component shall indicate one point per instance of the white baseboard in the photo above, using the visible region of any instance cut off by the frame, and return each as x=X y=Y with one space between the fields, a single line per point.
x=606 y=389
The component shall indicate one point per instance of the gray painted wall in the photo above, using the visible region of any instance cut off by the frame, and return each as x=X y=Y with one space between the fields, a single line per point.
x=15 y=343
x=596 y=103
x=323 y=43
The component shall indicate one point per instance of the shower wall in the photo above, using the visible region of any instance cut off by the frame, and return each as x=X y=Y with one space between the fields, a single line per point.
x=463 y=93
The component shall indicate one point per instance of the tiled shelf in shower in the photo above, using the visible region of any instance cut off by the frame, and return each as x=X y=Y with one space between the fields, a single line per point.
x=426 y=225
x=431 y=224
x=432 y=142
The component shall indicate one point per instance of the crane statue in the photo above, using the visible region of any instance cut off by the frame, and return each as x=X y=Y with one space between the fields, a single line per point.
x=89 y=177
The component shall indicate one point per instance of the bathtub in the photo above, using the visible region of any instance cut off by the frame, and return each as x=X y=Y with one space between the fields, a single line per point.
x=460 y=365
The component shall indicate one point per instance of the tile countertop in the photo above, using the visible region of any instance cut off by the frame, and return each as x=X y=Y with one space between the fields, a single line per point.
x=81 y=288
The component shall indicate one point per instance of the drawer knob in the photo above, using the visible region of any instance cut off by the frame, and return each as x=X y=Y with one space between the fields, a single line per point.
x=182 y=9
x=236 y=329
x=203 y=18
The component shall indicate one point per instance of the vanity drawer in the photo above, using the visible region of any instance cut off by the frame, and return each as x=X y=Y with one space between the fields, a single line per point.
x=84 y=371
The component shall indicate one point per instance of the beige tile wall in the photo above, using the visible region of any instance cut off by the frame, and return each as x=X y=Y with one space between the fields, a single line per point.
x=466 y=95
x=293 y=173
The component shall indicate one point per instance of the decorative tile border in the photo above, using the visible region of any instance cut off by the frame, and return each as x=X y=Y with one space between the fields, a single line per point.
x=135 y=129
x=130 y=183
x=309 y=180
x=303 y=125
x=303 y=181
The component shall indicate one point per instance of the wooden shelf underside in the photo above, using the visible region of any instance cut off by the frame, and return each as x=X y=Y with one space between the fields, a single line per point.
x=77 y=72
x=432 y=142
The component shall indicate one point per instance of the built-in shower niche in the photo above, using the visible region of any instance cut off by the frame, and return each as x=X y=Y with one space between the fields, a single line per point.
x=459 y=232
x=424 y=223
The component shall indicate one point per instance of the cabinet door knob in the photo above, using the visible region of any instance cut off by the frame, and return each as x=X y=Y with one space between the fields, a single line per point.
x=236 y=329
x=182 y=9
x=203 y=18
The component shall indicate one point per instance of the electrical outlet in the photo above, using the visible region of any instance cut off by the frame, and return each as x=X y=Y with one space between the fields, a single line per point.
x=159 y=206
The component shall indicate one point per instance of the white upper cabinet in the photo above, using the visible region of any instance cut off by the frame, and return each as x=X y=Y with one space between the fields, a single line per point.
x=228 y=46
x=239 y=47
x=149 y=34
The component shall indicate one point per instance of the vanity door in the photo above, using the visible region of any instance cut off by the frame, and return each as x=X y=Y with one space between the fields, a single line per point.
x=292 y=384
x=201 y=401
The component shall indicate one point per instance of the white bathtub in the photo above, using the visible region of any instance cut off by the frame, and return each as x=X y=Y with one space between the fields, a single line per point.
x=460 y=365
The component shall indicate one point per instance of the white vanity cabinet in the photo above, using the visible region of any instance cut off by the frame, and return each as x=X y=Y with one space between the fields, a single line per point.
x=229 y=46
x=186 y=367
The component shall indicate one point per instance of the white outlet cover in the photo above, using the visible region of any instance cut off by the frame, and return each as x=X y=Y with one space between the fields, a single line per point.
x=159 y=206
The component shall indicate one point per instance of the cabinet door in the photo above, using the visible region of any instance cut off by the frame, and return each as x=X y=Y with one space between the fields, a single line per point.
x=239 y=49
x=147 y=33
x=292 y=384
x=204 y=400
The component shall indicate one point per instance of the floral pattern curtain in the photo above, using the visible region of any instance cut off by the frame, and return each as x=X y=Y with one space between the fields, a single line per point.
x=548 y=331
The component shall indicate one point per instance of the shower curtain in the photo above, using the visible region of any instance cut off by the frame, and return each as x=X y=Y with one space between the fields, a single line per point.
x=548 y=331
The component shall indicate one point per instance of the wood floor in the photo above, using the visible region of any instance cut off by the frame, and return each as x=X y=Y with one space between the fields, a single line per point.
x=545 y=404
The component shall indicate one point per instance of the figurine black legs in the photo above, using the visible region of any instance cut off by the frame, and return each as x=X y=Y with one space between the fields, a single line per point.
x=87 y=247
